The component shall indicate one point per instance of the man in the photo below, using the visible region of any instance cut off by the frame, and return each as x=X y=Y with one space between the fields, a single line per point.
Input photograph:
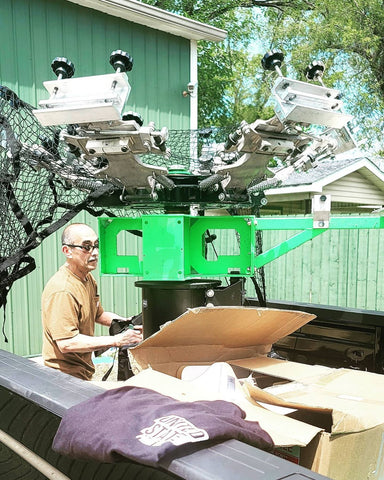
x=71 y=306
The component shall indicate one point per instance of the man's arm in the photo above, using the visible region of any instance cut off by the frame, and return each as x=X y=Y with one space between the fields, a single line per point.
x=106 y=318
x=83 y=343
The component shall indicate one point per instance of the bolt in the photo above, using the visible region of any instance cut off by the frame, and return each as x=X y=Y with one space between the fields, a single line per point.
x=210 y=293
x=124 y=149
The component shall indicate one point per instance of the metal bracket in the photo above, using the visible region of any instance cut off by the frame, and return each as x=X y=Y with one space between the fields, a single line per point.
x=321 y=210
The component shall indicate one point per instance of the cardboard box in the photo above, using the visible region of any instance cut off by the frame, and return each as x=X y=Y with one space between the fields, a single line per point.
x=345 y=404
x=205 y=335
x=328 y=420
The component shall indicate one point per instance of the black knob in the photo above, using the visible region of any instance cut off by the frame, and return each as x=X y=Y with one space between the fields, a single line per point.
x=205 y=132
x=62 y=67
x=121 y=61
x=133 y=116
x=232 y=139
x=272 y=59
x=315 y=70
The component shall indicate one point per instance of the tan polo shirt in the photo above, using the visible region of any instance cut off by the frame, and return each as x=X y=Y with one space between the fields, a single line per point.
x=69 y=307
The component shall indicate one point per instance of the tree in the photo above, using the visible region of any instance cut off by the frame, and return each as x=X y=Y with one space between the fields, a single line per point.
x=347 y=35
x=231 y=81
x=232 y=86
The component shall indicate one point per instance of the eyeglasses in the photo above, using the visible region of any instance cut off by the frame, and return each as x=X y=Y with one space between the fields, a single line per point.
x=86 y=248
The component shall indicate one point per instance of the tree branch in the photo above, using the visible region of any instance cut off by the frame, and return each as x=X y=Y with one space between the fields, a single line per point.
x=277 y=4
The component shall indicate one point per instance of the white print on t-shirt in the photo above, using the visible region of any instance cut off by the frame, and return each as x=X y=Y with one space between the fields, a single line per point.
x=171 y=428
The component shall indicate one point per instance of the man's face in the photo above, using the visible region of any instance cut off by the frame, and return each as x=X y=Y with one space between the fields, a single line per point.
x=79 y=258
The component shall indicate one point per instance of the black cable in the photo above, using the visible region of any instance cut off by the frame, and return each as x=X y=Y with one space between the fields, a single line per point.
x=108 y=372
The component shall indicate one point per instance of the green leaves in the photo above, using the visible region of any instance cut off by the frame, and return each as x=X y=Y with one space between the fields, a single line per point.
x=347 y=35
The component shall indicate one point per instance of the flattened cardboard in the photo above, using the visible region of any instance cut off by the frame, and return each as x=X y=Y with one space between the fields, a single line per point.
x=300 y=372
x=348 y=394
x=205 y=335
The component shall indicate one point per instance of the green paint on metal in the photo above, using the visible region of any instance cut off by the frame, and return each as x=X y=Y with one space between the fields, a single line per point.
x=175 y=248
x=165 y=253
x=335 y=223
x=110 y=261
x=223 y=265
x=178 y=171
x=287 y=246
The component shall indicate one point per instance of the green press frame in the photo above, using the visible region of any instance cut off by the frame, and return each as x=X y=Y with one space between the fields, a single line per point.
x=174 y=246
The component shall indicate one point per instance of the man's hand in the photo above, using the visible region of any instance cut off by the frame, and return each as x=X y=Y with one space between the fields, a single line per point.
x=84 y=343
x=129 y=336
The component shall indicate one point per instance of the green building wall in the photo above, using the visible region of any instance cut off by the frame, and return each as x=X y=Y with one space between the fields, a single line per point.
x=340 y=267
x=343 y=268
x=32 y=34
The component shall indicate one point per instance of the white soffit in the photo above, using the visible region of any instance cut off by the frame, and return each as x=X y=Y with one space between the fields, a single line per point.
x=155 y=18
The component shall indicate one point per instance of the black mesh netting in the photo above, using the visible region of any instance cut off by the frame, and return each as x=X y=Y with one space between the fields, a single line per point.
x=34 y=201
x=188 y=146
x=43 y=186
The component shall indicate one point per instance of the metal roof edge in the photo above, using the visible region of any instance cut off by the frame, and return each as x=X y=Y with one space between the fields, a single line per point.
x=156 y=18
x=318 y=185
x=362 y=162
x=356 y=164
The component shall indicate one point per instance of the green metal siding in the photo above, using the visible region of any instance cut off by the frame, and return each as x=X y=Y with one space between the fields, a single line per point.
x=340 y=267
x=32 y=33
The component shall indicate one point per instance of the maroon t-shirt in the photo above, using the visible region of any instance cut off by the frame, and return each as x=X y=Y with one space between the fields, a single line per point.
x=146 y=426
